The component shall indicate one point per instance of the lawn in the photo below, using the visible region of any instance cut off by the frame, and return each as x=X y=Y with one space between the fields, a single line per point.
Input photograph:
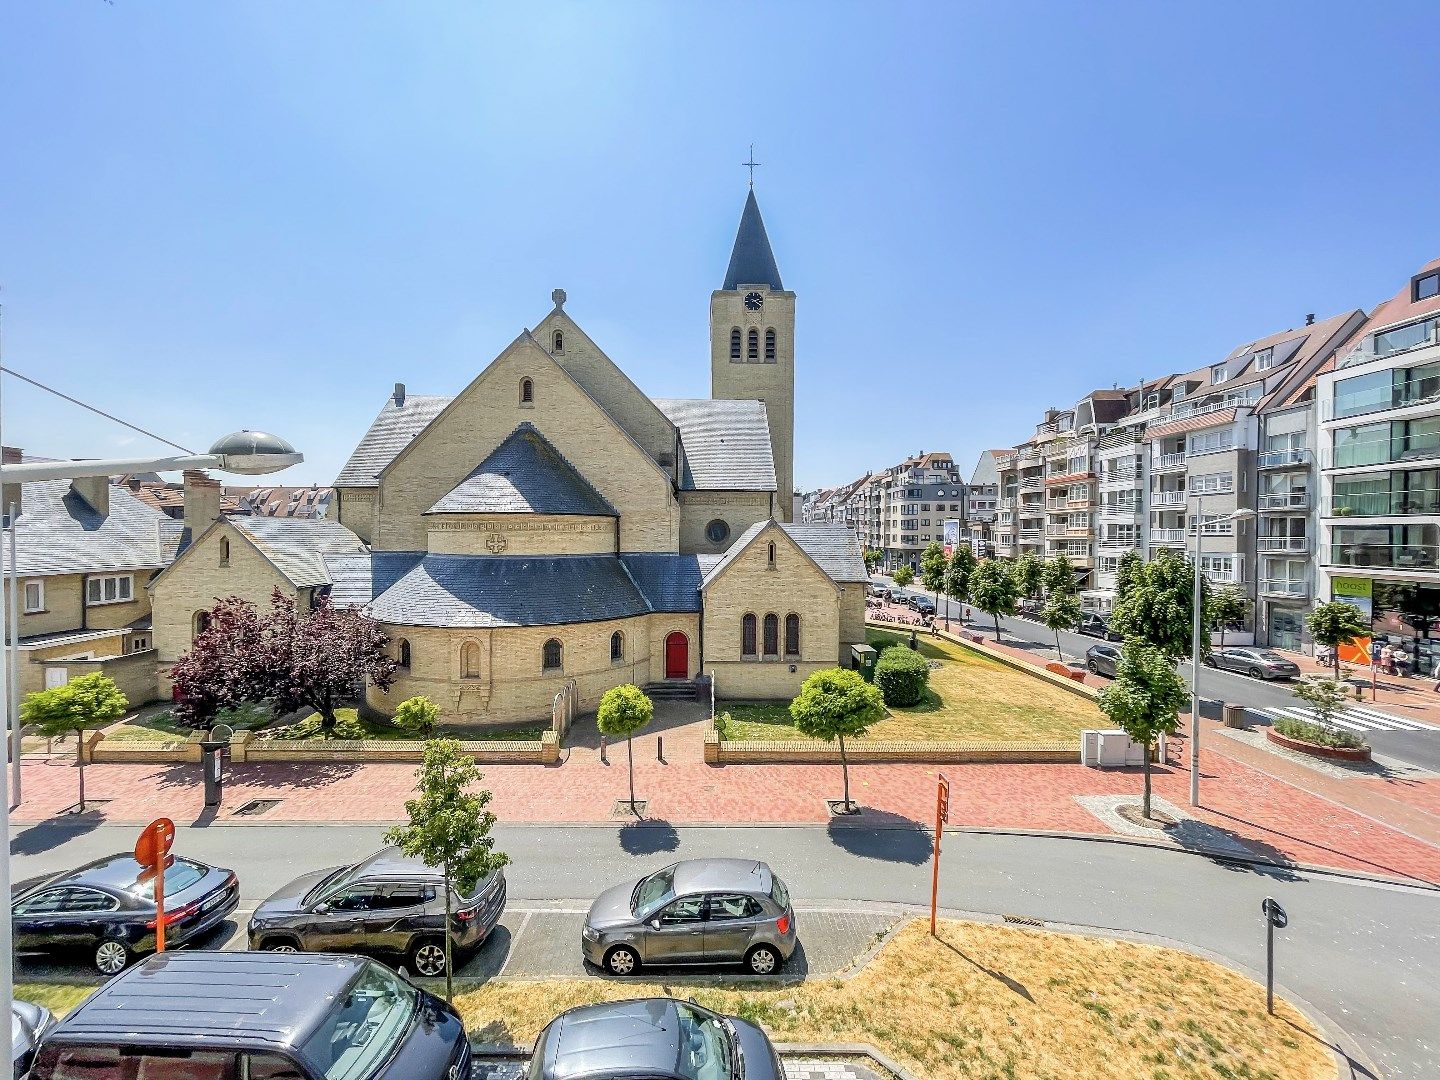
x=153 y=724
x=971 y=698
x=990 y=1002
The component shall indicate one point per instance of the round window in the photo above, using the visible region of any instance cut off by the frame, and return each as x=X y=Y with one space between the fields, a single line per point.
x=717 y=532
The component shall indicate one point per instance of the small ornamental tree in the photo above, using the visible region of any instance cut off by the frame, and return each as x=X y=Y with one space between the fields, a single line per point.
x=902 y=675
x=1058 y=574
x=1158 y=606
x=1061 y=612
x=322 y=657
x=958 y=572
x=1127 y=572
x=903 y=575
x=932 y=570
x=833 y=703
x=1326 y=696
x=449 y=829
x=1145 y=699
x=1029 y=573
x=993 y=591
x=417 y=715
x=1227 y=610
x=74 y=708
x=222 y=669
x=623 y=711
x=1334 y=624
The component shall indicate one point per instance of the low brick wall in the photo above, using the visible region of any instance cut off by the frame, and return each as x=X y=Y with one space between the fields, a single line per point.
x=866 y=752
x=245 y=748
x=102 y=751
x=1335 y=753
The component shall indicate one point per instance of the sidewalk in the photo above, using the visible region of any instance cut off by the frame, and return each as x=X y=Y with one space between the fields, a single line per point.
x=1412 y=697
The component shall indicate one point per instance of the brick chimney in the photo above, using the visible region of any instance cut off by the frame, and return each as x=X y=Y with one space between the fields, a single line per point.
x=95 y=490
x=202 y=502
x=11 y=493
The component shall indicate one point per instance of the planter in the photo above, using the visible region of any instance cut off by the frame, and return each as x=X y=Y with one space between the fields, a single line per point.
x=1334 y=753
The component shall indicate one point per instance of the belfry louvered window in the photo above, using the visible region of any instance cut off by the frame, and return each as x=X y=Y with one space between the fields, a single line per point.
x=770 y=345
x=752 y=345
x=735 y=343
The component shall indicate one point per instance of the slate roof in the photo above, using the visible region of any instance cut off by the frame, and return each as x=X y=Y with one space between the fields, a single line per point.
x=57 y=532
x=525 y=474
x=356 y=578
x=834 y=547
x=484 y=592
x=669 y=582
x=298 y=546
x=726 y=444
x=751 y=260
x=390 y=433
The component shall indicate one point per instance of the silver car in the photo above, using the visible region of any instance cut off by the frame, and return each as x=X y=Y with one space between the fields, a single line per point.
x=1257 y=663
x=701 y=911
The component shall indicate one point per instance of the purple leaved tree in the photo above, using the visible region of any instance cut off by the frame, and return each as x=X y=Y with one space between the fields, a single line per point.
x=221 y=669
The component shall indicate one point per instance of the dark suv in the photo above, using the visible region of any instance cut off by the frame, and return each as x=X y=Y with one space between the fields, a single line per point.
x=389 y=904
x=220 y=1015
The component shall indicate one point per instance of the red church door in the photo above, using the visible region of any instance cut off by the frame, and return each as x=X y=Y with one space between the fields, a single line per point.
x=677 y=656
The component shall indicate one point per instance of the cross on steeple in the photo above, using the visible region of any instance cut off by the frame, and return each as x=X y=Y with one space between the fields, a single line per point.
x=751 y=164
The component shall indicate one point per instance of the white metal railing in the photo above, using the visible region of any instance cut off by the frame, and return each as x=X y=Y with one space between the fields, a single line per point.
x=1121 y=543
x=1119 y=510
x=1284 y=500
x=1167 y=536
x=1167 y=498
x=1223 y=577
x=1283 y=587
x=1275 y=459
x=1030 y=483
x=1167 y=462
x=1299 y=544
x=1187 y=408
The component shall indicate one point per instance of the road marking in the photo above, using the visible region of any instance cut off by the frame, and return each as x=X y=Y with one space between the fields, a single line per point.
x=515 y=941
x=1350 y=719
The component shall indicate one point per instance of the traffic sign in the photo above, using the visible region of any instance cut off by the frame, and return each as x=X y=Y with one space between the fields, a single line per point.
x=1272 y=910
x=152 y=851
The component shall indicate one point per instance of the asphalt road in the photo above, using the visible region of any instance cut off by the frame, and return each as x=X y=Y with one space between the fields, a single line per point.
x=1420 y=748
x=1363 y=952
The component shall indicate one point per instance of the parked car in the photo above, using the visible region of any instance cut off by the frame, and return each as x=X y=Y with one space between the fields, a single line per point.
x=923 y=605
x=28 y=1025
x=1257 y=663
x=262 y=1016
x=1102 y=660
x=694 y=912
x=105 y=910
x=387 y=905
x=652 y=1037
x=1030 y=609
x=1095 y=626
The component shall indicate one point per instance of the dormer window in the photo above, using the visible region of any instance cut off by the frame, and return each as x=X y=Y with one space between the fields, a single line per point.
x=1426 y=286
x=1265 y=359
x=1219 y=373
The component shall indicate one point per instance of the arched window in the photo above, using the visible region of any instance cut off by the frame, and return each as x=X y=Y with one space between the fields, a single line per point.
x=224 y=551
x=792 y=635
x=752 y=345
x=772 y=555
x=527 y=392
x=772 y=634
x=747 y=635
x=770 y=345
x=551 y=655
x=200 y=623
x=402 y=656
x=470 y=660
x=735 y=343
x=617 y=647
x=559 y=338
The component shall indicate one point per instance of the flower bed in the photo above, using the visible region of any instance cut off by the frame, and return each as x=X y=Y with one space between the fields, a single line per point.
x=1336 y=753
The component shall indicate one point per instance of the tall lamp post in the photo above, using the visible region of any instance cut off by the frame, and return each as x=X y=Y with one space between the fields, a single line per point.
x=249 y=453
x=1239 y=515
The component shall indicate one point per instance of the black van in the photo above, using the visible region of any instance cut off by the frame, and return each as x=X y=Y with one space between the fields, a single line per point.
x=257 y=1016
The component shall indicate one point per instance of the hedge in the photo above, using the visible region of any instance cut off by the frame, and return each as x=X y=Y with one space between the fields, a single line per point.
x=902 y=675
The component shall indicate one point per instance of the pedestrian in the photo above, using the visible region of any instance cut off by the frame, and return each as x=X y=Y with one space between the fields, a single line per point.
x=1436 y=672
x=1402 y=662
x=1387 y=659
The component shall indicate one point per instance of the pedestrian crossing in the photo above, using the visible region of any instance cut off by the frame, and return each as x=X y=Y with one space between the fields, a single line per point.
x=1352 y=719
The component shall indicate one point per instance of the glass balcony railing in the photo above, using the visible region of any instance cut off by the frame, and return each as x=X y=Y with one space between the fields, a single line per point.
x=1284 y=500
x=1387 y=556
x=1279 y=459
x=1283 y=587
x=1361 y=452
x=1385 y=503
x=1280 y=544
x=1391 y=342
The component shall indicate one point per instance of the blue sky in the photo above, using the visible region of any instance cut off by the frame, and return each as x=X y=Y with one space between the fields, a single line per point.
x=263 y=215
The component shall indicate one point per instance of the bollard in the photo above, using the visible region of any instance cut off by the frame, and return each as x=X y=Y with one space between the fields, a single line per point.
x=603 y=759
x=660 y=749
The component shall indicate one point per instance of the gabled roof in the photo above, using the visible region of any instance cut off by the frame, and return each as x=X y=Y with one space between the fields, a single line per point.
x=726 y=444
x=297 y=547
x=58 y=532
x=751 y=260
x=750 y=535
x=525 y=474
x=390 y=433
x=834 y=548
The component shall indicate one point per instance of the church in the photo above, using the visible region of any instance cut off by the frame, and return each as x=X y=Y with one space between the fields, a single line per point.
x=552 y=529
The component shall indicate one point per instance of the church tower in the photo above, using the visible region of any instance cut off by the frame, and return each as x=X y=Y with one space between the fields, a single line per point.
x=752 y=343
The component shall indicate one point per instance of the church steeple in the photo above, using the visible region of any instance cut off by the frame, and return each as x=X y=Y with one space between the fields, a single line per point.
x=751 y=260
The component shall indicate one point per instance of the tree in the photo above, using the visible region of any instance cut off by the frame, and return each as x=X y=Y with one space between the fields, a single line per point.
x=833 y=703
x=222 y=669
x=1061 y=612
x=1158 y=607
x=1130 y=567
x=932 y=570
x=1028 y=571
x=417 y=714
x=1227 y=609
x=873 y=557
x=993 y=590
x=1326 y=696
x=322 y=657
x=1145 y=699
x=75 y=707
x=903 y=576
x=449 y=827
x=1058 y=574
x=1334 y=624
x=958 y=572
x=624 y=710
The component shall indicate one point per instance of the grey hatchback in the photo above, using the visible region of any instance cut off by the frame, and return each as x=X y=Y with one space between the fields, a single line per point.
x=694 y=912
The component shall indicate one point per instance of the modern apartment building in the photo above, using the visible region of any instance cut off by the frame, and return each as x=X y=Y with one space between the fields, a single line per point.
x=1379 y=435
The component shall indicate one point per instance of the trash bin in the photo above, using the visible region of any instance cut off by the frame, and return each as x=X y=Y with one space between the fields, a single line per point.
x=1233 y=715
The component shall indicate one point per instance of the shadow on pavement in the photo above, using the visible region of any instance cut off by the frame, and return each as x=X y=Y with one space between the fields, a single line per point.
x=51 y=834
x=648 y=837
x=1284 y=873
x=879 y=834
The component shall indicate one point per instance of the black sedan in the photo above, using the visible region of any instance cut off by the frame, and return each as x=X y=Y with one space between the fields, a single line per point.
x=106 y=911
x=1257 y=663
x=1095 y=626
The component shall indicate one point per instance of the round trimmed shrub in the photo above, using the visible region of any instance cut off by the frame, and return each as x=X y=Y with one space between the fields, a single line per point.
x=902 y=675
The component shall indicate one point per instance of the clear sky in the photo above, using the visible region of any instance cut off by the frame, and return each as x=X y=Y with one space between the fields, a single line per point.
x=227 y=215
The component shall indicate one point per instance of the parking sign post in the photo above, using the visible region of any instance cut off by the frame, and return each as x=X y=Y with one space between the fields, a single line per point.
x=1275 y=919
x=152 y=851
x=942 y=816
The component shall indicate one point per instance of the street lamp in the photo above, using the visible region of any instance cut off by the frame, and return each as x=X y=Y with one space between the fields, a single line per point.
x=249 y=453
x=1238 y=515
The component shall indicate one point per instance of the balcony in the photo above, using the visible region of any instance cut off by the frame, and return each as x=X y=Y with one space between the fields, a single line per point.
x=1167 y=498
x=1119 y=543
x=1223 y=577
x=1284 y=500
x=1168 y=536
x=1119 y=478
x=1056 y=530
x=1417 y=336
x=1214 y=528
x=1167 y=463
x=1030 y=460
x=1031 y=534
x=1119 y=511
x=1030 y=483
x=1385 y=503
x=1283 y=459
x=1384 y=556
x=1007 y=503
x=1190 y=408
x=1364 y=452
x=1125 y=439
x=1281 y=587
x=1274 y=545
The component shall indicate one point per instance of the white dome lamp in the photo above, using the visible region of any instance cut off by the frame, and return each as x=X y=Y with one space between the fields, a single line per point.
x=252 y=453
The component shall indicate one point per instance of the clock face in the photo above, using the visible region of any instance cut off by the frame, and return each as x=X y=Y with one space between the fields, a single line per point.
x=753 y=301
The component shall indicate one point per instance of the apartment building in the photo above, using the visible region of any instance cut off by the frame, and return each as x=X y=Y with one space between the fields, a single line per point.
x=915 y=498
x=982 y=502
x=1379 y=439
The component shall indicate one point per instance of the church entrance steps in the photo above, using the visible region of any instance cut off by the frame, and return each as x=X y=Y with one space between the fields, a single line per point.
x=673 y=690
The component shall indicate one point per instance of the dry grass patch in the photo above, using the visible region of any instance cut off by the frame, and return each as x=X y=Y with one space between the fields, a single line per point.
x=991 y=1001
